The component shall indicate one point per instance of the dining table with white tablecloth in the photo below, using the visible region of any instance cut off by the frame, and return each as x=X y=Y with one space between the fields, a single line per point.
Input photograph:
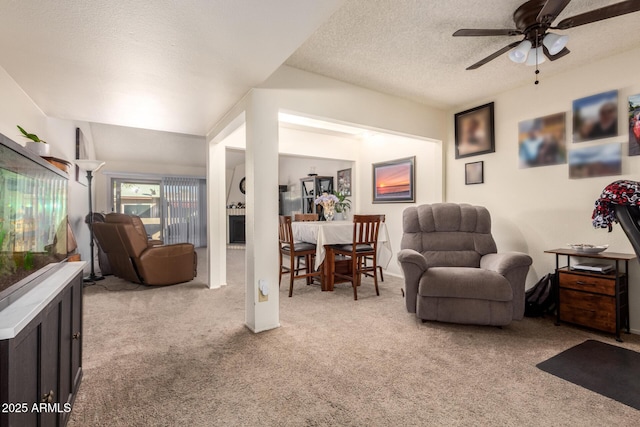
x=322 y=233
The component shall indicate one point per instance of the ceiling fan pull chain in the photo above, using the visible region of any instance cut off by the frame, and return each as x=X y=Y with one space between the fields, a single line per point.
x=536 y=50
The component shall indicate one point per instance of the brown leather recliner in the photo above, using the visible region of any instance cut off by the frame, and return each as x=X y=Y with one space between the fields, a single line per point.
x=135 y=258
x=103 y=259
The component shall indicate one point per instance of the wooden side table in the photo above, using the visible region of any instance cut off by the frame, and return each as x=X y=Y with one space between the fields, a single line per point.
x=594 y=300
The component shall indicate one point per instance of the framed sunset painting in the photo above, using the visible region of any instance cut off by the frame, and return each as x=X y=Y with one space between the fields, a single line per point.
x=394 y=181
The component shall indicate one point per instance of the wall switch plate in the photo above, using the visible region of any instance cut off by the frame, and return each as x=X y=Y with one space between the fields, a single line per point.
x=263 y=290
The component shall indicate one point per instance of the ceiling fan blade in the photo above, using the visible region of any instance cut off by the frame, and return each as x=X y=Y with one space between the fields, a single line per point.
x=606 y=12
x=558 y=55
x=551 y=10
x=493 y=56
x=496 y=32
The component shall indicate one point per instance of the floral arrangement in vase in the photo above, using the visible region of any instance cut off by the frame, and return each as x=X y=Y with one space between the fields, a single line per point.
x=343 y=204
x=328 y=203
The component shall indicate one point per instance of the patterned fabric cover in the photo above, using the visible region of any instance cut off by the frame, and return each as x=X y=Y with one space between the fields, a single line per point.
x=622 y=192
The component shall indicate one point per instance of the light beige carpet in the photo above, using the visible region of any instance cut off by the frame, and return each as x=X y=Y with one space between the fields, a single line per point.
x=181 y=356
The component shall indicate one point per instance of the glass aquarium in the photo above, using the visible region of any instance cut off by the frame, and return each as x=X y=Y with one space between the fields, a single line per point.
x=33 y=216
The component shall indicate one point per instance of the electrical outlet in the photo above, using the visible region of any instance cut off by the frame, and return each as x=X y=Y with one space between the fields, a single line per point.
x=263 y=290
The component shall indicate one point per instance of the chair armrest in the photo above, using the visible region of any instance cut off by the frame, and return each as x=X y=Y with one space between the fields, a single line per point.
x=514 y=266
x=167 y=264
x=503 y=262
x=154 y=242
x=413 y=265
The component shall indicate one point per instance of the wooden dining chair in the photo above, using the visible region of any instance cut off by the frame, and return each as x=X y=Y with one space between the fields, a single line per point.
x=365 y=259
x=295 y=250
x=305 y=217
x=365 y=244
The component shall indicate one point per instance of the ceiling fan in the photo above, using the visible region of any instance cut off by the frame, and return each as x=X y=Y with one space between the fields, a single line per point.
x=533 y=20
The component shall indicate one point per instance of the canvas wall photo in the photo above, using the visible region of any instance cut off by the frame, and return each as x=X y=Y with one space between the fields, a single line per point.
x=474 y=173
x=595 y=117
x=394 y=181
x=542 y=141
x=599 y=160
x=634 y=125
x=475 y=131
x=344 y=182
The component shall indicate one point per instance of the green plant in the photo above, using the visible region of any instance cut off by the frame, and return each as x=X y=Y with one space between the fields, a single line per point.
x=31 y=136
x=28 y=261
x=7 y=264
x=343 y=204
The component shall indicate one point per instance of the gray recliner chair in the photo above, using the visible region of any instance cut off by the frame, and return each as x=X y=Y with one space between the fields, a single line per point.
x=452 y=270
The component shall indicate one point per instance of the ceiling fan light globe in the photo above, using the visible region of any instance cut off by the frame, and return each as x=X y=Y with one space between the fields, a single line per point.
x=520 y=52
x=536 y=56
x=555 y=43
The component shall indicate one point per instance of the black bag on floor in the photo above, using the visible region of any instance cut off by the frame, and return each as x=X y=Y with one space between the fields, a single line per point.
x=541 y=298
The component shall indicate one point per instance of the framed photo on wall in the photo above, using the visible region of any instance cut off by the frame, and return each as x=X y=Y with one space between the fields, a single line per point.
x=542 y=141
x=394 y=181
x=81 y=153
x=598 y=160
x=634 y=125
x=595 y=117
x=474 y=173
x=475 y=131
x=344 y=182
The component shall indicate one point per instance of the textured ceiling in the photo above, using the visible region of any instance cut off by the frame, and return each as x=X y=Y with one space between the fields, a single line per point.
x=406 y=48
x=180 y=65
x=162 y=64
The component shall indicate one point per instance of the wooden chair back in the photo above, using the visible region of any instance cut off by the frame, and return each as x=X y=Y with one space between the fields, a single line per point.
x=285 y=234
x=306 y=217
x=366 y=228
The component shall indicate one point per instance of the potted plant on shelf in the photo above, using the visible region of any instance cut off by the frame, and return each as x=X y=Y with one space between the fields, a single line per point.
x=35 y=144
x=342 y=205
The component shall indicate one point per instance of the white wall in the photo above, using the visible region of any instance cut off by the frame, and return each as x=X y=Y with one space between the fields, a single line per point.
x=292 y=168
x=62 y=134
x=304 y=143
x=364 y=152
x=17 y=108
x=540 y=208
x=234 y=195
x=428 y=181
x=135 y=151
x=316 y=96
x=296 y=91
x=323 y=97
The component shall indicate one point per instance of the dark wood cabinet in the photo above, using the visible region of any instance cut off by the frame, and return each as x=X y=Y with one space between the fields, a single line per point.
x=237 y=227
x=590 y=300
x=313 y=187
x=597 y=301
x=42 y=364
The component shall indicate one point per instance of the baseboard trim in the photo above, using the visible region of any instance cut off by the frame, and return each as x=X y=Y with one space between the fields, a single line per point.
x=399 y=276
x=257 y=331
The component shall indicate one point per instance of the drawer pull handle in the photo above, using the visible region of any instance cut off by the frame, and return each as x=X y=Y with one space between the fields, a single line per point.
x=76 y=336
x=580 y=282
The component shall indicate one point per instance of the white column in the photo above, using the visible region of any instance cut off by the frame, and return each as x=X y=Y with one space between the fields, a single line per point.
x=262 y=211
x=217 y=217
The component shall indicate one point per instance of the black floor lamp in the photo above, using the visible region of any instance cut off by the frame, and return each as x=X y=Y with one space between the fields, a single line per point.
x=90 y=166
